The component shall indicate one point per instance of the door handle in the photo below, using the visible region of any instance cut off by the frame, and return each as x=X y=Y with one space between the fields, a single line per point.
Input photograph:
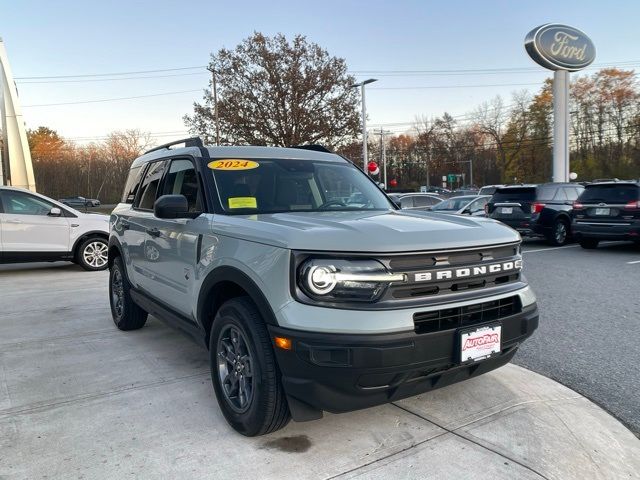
x=154 y=232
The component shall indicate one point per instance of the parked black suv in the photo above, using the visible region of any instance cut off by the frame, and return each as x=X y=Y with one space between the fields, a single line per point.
x=607 y=211
x=538 y=210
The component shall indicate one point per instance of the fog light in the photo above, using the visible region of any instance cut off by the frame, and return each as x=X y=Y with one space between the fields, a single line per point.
x=283 y=343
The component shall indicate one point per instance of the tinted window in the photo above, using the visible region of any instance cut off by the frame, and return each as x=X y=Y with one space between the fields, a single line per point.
x=19 y=203
x=549 y=192
x=487 y=191
x=182 y=179
x=424 y=201
x=573 y=193
x=616 y=194
x=517 y=194
x=277 y=185
x=452 y=204
x=406 y=202
x=149 y=189
x=132 y=184
x=561 y=195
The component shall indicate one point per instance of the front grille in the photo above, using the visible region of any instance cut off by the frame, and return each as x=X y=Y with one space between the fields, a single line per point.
x=451 y=318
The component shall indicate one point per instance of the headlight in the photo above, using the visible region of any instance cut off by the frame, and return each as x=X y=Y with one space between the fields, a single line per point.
x=345 y=280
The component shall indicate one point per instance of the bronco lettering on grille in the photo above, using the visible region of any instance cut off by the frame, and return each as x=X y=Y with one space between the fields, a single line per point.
x=468 y=272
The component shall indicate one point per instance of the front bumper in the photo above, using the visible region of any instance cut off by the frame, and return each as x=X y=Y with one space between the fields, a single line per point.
x=344 y=372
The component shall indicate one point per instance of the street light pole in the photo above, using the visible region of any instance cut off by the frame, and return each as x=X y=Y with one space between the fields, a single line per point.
x=364 y=120
x=215 y=103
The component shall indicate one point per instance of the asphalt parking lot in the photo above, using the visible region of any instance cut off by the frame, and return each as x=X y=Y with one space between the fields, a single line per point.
x=589 y=319
x=80 y=399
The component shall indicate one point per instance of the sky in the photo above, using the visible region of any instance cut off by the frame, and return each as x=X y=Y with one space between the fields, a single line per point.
x=378 y=39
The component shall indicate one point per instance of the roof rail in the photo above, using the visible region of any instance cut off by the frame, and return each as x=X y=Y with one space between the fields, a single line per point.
x=188 y=142
x=314 y=147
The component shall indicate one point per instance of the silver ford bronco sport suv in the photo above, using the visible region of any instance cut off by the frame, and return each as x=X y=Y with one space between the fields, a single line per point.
x=311 y=290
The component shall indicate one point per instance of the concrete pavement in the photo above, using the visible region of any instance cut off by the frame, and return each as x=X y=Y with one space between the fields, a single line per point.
x=80 y=399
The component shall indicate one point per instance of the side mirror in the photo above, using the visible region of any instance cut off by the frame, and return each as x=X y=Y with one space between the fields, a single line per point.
x=466 y=211
x=55 y=212
x=172 y=206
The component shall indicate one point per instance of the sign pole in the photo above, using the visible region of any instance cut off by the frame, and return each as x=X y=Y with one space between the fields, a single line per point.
x=561 y=126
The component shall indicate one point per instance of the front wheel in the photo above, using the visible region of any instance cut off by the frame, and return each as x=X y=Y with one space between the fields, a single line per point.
x=93 y=254
x=244 y=371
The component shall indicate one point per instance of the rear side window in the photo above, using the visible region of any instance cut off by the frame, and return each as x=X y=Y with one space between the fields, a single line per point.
x=149 y=188
x=132 y=184
x=406 y=202
x=424 y=201
x=615 y=194
x=518 y=194
x=549 y=192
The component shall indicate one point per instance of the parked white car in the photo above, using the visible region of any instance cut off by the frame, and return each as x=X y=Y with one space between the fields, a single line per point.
x=35 y=228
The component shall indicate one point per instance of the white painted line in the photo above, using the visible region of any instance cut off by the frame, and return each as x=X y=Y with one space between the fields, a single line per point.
x=548 y=249
x=631 y=263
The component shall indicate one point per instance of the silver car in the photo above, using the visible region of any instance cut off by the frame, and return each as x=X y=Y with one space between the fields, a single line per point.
x=312 y=291
x=464 y=205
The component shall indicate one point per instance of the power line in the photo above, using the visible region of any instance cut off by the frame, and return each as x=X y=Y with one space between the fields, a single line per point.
x=111 y=99
x=112 y=74
x=47 y=82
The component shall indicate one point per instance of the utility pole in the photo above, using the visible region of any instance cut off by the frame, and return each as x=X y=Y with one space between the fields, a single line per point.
x=364 y=120
x=215 y=103
x=383 y=154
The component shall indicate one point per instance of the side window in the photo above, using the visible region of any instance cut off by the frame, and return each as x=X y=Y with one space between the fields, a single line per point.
x=422 y=201
x=149 y=188
x=132 y=184
x=572 y=193
x=20 y=203
x=561 y=195
x=547 y=193
x=478 y=205
x=406 y=202
x=182 y=179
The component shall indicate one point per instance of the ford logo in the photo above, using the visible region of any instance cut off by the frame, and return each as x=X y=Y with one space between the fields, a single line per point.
x=560 y=47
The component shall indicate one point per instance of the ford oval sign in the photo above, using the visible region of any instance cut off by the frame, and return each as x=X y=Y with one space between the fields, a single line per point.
x=560 y=47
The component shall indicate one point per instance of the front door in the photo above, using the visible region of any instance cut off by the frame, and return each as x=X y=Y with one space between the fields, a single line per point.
x=28 y=226
x=172 y=245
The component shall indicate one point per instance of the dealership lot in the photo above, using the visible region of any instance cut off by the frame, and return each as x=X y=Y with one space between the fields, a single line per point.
x=589 y=313
x=80 y=399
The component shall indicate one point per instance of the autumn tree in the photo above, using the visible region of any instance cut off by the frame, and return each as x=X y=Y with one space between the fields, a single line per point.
x=272 y=91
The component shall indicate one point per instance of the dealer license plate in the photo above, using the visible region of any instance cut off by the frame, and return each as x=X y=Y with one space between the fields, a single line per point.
x=507 y=210
x=480 y=343
x=603 y=211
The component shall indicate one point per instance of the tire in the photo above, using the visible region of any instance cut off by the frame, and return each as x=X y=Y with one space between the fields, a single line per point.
x=589 y=243
x=559 y=235
x=126 y=314
x=92 y=254
x=242 y=360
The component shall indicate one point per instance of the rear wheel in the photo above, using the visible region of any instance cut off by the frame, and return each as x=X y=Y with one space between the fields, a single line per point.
x=559 y=233
x=589 y=243
x=244 y=372
x=126 y=314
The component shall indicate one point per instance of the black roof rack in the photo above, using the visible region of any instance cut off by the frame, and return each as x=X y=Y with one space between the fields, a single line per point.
x=188 y=142
x=314 y=147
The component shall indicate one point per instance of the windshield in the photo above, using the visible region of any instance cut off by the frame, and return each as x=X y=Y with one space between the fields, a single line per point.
x=277 y=185
x=616 y=194
x=451 y=204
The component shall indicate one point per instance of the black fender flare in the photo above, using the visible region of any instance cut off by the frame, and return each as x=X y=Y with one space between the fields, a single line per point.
x=90 y=233
x=231 y=274
x=114 y=245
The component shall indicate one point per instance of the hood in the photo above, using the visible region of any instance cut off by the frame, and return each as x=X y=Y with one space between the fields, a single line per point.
x=383 y=232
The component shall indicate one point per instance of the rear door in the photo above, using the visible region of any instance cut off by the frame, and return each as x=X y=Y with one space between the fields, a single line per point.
x=608 y=204
x=27 y=225
x=512 y=205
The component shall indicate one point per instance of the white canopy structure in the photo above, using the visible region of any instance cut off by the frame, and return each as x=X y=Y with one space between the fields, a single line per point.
x=16 y=168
